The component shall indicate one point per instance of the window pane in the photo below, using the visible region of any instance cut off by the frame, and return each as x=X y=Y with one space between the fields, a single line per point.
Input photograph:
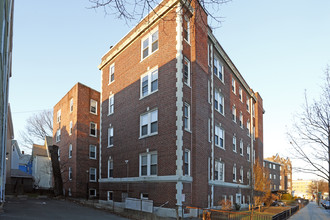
x=145 y=85
x=154 y=116
x=144 y=160
x=154 y=46
x=154 y=159
x=145 y=52
x=153 y=169
x=143 y=170
x=145 y=43
x=144 y=130
x=154 y=127
x=144 y=119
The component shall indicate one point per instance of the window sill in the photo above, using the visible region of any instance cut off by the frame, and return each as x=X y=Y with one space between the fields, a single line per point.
x=109 y=146
x=92 y=135
x=142 y=97
x=220 y=112
x=187 y=41
x=188 y=130
x=149 y=135
x=143 y=58
x=92 y=158
x=110 y=113
x=111 y=82
x=220 y=147
x=92 y=181
x=93 y=113
x=187 y=85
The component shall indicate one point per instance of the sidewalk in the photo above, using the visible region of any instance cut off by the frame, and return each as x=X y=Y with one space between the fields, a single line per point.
x=312 y=211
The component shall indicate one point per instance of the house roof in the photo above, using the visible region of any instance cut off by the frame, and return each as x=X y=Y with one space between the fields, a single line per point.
x=39 y=150
x=24 y=159
x=19 y=173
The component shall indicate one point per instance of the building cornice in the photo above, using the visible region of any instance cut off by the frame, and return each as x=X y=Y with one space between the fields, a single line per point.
x=135 y=34
x=231 y=65
x=158 y=179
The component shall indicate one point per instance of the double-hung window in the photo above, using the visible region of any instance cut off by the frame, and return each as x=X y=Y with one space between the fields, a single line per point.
x=219 y=137
x=234 y=143
x=148 y=164
x=70 y=151
x=92 y=129
x=58 y=135
x=110 y=137
x=241 y=147
x=219 y=102
x=234 y=113
x=58 y=118
x=247 y=104
x=241 y=119
x=149 y=83
x=70 y=131
x=240 y=93
x=234 y=173
x=233 y=85
x=149 y=123
x=186 y=117
x=93 y=106
x=112 y=73
x=110 y=168
x=92 y=174
x=218 y=68
x=219 y=171
x=248 y=127
x=248 y=152
x=149 y=44
x=186 y=71
x=111 y=106
x=71 y=105
x=92 y=152
x=241 y=174
x=187 y=162
x=186 y=29
x=70 y=173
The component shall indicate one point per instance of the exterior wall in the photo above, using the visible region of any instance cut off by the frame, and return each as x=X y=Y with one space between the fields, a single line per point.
x=285 y=172
x=301 y=188
x=273 y=174
x=80 y=139
x=6 y=131
x=42 y=172
x=199 y=187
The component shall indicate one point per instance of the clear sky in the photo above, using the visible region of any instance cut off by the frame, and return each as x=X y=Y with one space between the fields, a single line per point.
x=280 y=47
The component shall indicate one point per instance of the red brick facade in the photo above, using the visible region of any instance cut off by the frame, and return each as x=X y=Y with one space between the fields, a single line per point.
x=75 y=107
x=186 y=116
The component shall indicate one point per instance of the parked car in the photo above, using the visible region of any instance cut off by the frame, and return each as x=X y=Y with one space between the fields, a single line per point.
x=326 y=204
x=278 y=203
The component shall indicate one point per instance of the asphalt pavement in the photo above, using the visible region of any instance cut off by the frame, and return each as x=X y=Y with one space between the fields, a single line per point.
x=35 y=209
x=312 y=211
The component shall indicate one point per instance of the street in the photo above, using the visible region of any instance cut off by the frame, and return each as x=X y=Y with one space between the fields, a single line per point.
x=312 y=211
x=32 y=208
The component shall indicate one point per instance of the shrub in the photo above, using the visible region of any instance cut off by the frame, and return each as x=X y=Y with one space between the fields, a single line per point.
x=286 y=196
x=225 y=204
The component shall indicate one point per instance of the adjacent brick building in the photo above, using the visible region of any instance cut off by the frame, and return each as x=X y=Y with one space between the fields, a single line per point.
x=285 y=172
x=274 y=171
x=75 y=132
x=179 y=124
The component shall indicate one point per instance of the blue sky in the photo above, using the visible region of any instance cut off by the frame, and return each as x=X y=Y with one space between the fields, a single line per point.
x=280 y=47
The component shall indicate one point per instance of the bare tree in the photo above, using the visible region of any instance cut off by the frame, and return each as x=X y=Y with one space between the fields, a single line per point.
x=38 y=126
x=135 y=10
x=310 y=136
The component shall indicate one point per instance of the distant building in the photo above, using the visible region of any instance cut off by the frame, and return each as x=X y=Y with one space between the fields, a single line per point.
x=286 y=172
x=274 y=174
x=6 y=46
x=180 y=126
x=76 y=133
x=17 y=181
x=42 y=171
x=301 y=188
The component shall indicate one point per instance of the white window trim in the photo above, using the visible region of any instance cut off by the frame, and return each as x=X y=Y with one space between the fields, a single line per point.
x=248 y=152
x=90 y=129
x=149 y=124
x=234 y=114
x=149 y=74
x=109 y=135
x=70 y=177
x=90 y=171
x=149 y=35
x=240 y=94
x=188 y=29
x=70 y=128
x=234 y=143
x=189 y=72
x=89 y=192
x=71 y=105
x=186 y=151
x=241 y=121
x=223 y=171
x=241 y=172
x=70 y=151
x=111 y=97
x=109 y=163
x=234 y=173
x=223 y=136
x=90 y=147
x=114 y=70
x=233 y=84
x=58 y=135
x=219 y=65
x=108 y=195
x=188 y=117
x=218 y=96
x=58 y=116
x=90 y=107
x=241 y=146
x=148 y=163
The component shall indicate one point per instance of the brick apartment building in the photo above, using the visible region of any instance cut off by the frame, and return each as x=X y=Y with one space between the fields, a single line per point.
x=76 y=123
x=274 y=170
x=179 y=124
x=285 y=172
